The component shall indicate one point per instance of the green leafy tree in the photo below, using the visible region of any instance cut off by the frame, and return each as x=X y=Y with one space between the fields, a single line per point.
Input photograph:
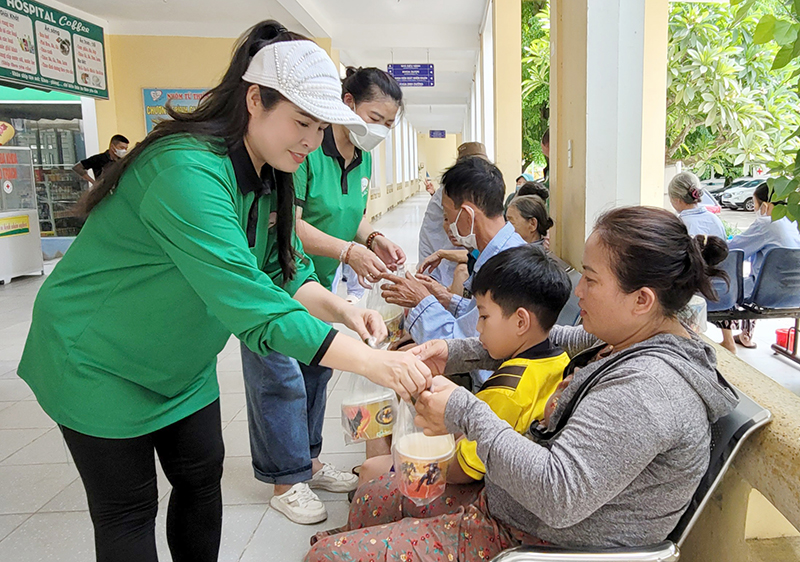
x=727 y=108
x=780 y=28
x=535 y=79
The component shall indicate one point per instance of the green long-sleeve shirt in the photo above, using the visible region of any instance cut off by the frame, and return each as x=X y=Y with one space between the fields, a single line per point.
x=127 y=328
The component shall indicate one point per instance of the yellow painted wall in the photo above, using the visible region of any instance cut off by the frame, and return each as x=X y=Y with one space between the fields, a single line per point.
x=654 y=124
x=138 y=61
x=436 y=155
x=568 y=123
x=507 y=36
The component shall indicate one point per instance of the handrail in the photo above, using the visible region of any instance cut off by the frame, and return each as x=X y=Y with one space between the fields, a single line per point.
x=769 y=460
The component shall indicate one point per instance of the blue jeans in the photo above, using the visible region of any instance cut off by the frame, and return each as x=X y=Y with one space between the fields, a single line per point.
x=285 y=411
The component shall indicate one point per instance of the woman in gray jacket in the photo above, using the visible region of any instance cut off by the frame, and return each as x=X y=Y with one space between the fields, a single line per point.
x=628 y=438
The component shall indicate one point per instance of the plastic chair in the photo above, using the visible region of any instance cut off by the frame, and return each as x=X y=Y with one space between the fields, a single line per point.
x=778 y=281
x=727 y=436
x=571 y=313
x=729 y=294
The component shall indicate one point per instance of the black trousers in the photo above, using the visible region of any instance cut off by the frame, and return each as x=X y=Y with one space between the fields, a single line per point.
x=120 y=480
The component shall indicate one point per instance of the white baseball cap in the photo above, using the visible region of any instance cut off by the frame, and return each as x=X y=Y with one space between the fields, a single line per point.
x=304 y=73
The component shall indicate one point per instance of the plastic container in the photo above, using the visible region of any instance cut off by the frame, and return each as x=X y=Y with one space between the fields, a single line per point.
x=695 y=313
x=392 y=314
x=368 y=415
x=420 y=461
x=784 y=337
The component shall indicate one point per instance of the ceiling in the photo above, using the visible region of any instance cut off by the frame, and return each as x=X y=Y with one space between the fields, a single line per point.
x=366 y=32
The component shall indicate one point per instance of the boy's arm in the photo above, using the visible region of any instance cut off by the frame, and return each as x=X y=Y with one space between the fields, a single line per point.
x=469 y=464
x=456 y=474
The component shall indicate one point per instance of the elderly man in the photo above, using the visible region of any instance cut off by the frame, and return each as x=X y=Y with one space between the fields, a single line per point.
x=472 y=201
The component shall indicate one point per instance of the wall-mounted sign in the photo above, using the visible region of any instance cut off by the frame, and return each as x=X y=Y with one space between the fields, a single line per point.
x=45 y=48
x=437 y=134
x=413 y=74
x=155 y=103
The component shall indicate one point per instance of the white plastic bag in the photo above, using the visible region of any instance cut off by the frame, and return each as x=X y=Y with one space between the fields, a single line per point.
x=368 y=412
x=393 y=315
x=420 y=461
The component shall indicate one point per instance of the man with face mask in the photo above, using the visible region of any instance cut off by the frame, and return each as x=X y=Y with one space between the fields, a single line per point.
x=472 y=201
x=117 y=148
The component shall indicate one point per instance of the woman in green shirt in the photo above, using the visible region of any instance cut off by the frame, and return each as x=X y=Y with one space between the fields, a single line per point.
x=285 y=418
x=190 y=239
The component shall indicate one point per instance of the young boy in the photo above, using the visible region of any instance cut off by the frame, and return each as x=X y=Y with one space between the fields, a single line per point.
x=519 y=294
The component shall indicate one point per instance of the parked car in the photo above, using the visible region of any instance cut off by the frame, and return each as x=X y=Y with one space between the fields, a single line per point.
x=716 y=189
x=713 y=185
x=741 y=196
x=710 y=203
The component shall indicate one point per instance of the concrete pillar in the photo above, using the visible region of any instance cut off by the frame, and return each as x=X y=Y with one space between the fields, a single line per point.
x=507 y=53
x=608 y=109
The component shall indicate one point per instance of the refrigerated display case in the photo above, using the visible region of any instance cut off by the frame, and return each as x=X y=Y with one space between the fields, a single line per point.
x=20 y=244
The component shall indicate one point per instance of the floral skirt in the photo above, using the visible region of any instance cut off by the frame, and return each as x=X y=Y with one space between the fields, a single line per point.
x=384 y=525
x=747 y=326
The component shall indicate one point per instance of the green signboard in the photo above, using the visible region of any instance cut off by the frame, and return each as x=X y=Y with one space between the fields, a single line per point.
x=44 y=48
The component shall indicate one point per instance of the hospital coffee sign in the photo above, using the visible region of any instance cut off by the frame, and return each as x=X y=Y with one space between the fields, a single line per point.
x=44 y=48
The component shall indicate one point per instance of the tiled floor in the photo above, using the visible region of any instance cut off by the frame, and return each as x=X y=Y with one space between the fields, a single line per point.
x=43 y=512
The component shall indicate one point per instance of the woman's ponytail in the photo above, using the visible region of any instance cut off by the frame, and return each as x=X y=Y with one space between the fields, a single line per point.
x=706 y=253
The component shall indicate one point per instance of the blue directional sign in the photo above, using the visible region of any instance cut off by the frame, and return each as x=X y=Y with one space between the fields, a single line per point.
x=437 y=134
x=420 y=75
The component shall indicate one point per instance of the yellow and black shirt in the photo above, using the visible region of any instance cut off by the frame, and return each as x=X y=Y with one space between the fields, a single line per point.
x=517 y=392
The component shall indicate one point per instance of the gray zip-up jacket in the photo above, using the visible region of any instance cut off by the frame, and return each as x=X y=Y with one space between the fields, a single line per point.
x=628 y=461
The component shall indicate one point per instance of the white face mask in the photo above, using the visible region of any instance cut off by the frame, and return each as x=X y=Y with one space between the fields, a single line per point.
x=121 y=152
x=375 y=134
x=469 y=241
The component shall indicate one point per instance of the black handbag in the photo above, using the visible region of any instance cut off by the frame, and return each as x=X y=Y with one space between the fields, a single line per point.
x=544 y=437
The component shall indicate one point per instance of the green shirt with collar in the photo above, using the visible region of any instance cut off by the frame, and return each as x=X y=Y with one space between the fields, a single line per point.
x=333 y=196
x=127 y=328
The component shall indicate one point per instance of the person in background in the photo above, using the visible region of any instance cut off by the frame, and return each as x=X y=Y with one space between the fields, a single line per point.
x=534 y=188
x=521 y=180
x=763 y=235
x=331 y=192
x=685 y=195
x=432 y=235
x=472 y=204
x=528 y=214
x=117 y=149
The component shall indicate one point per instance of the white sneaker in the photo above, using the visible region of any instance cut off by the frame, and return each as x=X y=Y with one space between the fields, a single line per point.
x=332 y=480
x=300 y=504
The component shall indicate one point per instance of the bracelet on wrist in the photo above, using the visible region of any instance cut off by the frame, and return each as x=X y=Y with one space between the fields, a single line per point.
x=371 y=239
x=344 y=251
x=347 y=254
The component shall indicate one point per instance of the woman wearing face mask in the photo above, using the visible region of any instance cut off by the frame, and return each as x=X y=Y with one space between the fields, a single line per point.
x=332 y=186
x=763 y=235
x=189 y=239
x=332 y=189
